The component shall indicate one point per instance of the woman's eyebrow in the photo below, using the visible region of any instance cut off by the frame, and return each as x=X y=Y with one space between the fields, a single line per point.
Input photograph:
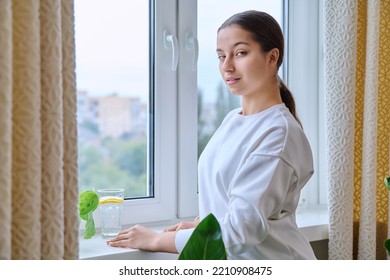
x=235 y=45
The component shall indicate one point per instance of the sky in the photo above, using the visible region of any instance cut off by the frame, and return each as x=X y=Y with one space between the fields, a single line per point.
x=112 y=46
x=112 y=43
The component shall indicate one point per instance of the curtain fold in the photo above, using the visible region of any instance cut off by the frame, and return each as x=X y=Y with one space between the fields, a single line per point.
x=5 y=127
x=339 y=68
x=40 y=175
x=367 y=223
x=26 y=131
x=69 y=103
x=383 y=151
x=357 y=57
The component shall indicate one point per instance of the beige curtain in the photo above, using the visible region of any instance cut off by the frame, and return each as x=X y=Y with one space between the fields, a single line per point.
x=38 y=152
x=357 y=89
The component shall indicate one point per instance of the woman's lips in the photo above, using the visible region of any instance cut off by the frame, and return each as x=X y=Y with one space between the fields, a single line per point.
x=232 y=81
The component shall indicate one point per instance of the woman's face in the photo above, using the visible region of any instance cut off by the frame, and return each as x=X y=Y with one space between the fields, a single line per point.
x=245 y=68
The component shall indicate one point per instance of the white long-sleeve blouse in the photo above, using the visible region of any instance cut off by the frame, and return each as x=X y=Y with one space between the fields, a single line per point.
x=250 y=176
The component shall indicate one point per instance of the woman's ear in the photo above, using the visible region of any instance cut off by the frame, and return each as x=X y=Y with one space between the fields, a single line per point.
x=273 y=56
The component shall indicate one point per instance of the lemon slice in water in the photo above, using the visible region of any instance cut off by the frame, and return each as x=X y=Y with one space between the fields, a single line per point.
x=110 y=200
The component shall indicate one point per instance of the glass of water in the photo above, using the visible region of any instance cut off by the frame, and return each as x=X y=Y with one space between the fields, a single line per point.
x=110 y=205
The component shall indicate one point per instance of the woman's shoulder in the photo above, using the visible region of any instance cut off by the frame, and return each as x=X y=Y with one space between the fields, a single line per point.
x=232 y=113
x=280 y=118
x=280 y=131
x=296 y=146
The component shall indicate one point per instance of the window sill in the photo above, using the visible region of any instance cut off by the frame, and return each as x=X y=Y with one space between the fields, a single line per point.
x=312 y=222
x=97 y=249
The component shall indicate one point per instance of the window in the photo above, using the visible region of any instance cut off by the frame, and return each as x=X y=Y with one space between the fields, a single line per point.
x=304 y=76
x=113 y=95
x=127 y=103
x=143 y=131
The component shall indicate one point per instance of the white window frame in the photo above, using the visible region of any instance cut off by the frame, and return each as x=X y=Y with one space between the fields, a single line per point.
x=163 y=205
x=305 y=79
x=187 y=111
x=174 y=122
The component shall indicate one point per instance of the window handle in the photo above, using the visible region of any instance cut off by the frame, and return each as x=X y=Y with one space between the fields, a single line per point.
x=170 y=41
x=192 y=44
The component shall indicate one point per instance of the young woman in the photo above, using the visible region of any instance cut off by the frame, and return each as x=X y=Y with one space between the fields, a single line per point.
x=252 y=171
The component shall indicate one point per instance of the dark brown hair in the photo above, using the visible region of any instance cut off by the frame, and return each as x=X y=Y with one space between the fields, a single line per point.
x=266 y=31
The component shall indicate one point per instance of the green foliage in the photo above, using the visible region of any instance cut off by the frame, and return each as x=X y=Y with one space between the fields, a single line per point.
x=225 y=102
x=90 y=126
x=104 y=174
x=387 y=246
x=114 y=163
x=206 y=242
x=88 y=202
x=387 y=183
x=131 y=157
x=202 y=142
x=88 y=154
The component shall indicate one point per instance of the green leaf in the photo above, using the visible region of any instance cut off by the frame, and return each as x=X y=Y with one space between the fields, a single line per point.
x=387 y=246
x=206 y=242
x=89 y=227
x=387 y=183
x=88 y=202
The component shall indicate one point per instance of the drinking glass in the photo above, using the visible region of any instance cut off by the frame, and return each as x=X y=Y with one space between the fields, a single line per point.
x=110 y=204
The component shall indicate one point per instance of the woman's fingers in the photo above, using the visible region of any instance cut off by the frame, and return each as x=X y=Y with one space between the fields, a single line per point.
x=181 y=225
x=137 y=237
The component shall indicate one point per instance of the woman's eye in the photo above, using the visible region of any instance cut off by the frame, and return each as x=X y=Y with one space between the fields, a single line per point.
x=241 y=53
x=221 y=57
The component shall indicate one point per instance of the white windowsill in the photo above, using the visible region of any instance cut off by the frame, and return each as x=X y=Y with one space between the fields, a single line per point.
x=97 y=249
x=312 y=222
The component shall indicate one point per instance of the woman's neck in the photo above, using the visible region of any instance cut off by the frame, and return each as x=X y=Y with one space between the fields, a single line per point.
x=261 y=101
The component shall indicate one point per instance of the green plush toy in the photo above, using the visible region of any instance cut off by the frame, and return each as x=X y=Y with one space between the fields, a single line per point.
x=88 y=202
x=387 y=183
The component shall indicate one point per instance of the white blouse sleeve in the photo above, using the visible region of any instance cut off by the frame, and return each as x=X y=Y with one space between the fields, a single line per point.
x=182 y=237
x=258 y=193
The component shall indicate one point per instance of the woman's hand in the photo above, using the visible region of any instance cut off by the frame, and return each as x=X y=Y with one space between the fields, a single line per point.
x=142 y=238
x=183 y=225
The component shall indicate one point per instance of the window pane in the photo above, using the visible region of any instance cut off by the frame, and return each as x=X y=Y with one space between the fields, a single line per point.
x=112 y=69
x=214 y=98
